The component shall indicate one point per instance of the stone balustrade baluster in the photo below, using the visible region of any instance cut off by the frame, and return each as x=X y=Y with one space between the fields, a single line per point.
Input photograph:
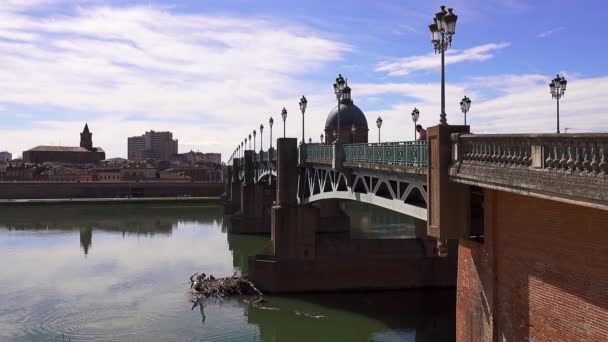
x=520 y=154
x=508 y=159
x=563 y=162
x=486 y=152
x=595 y=164
x=548 y=161
x=603 y=161
x=586 y=159
x=570 y=161
x=578 y=163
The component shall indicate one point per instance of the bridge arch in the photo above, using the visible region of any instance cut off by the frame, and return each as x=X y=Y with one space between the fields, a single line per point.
x=402 y=193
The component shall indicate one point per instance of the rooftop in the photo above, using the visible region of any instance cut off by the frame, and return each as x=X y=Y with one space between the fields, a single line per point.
x=64 y=149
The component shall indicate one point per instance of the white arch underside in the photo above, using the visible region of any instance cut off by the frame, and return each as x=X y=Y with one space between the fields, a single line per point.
x=394 y=205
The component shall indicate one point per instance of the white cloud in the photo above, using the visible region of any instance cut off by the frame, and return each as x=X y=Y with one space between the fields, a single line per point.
x=407 y=65
x=515 y=104
x=212 y=73
x=547 y=33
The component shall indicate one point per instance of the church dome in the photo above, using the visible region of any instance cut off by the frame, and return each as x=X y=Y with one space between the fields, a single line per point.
x=349 y=114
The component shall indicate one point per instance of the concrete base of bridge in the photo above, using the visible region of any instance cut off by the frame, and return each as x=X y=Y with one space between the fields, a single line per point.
x=253 y=216
x=332 y=219
x=356 y=265
x=306 y=257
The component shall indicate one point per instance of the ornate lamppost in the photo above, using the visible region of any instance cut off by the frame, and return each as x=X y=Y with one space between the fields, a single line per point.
x=442 y=29
x=261 y=135
x=284 y=116
x=379 y=124
x=303 y=103
x=558 y=89
x=270 y=122
x=415 y=116
x=254 y=141
x=353 y=129
x=465 y=105
x=321 y=138
x=338 y=88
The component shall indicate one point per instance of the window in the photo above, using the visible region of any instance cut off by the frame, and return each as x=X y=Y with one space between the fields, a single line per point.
x=477 y=214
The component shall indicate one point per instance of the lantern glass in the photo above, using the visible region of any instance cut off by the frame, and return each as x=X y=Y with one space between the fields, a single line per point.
x=379 y=122
x=284 y=113
x=450 y=22
x=563 y=83
x=303 y=103
x=434 y=32
x=440 y=16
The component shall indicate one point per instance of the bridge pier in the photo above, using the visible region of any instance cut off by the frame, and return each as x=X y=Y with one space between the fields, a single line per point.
x=301 y=259
x=233 y=189
x=254 y=202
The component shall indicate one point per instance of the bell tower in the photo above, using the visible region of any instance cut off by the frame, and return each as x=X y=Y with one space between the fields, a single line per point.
x=86 y=138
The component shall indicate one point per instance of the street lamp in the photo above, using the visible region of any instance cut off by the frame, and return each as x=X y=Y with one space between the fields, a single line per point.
x=338 y=88
x=353 y=129
x=321 y=138
x=254 y=141
x=465 y=105
x=284 y=116
x=415 y=116
x=303 y=103
x=261 y=141
x=442 y=29
x=558 y=88
x=309 y=140
x=270 y=122
x=250 y=141
x=379 y=124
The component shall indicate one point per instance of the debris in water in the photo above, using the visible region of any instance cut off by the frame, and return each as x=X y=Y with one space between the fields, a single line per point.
x=203 y=287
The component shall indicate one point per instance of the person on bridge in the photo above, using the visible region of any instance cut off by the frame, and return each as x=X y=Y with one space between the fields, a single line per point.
x=421 y=132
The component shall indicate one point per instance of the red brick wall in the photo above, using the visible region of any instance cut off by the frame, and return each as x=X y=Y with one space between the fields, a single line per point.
x=542 y=273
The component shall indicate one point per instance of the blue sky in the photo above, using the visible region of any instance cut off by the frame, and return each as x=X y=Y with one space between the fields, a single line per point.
x=212 y=71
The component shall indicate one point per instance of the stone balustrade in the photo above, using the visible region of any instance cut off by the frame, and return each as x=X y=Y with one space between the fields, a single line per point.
x=569 y=166
x=576 y=154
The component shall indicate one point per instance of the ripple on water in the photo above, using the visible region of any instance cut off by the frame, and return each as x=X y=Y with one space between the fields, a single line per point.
x=84 y=322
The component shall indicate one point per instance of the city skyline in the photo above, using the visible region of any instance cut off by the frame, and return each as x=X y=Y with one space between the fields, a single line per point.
x=211 y=73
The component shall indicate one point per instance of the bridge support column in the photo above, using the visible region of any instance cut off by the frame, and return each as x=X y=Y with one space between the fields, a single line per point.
x=253 y=217
x=233 y=202
x=332 y=218
x=449 y=202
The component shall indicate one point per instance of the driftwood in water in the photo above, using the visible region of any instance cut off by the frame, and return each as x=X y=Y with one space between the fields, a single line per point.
x=203 y=287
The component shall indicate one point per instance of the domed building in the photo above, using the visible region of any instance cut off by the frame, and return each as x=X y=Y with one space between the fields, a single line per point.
x=350 y=115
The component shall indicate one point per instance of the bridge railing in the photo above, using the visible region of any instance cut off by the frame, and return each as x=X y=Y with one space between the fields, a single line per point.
x=265 y=156
x=567 y=167
x=585 y=154
x=408 y=153
x=312 y=152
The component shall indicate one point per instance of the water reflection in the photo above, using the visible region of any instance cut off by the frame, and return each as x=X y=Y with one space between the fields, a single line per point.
x=372 y=222
x=138 y=220
x=131 y=284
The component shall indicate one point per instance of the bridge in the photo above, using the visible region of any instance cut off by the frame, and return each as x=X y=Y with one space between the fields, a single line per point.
x=506 y=218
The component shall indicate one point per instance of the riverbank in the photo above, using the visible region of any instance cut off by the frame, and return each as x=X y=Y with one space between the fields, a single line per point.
x=101 y=201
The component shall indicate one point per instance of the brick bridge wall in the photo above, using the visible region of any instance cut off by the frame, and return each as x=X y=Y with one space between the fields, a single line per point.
x=540 y=275
x=40 y=190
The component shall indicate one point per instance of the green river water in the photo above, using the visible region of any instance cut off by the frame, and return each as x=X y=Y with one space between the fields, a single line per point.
x=120 y=273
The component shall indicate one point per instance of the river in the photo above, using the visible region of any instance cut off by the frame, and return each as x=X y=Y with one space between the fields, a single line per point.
x=120 y=273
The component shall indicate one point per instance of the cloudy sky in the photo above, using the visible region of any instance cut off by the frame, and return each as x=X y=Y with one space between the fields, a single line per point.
x=212 y=71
